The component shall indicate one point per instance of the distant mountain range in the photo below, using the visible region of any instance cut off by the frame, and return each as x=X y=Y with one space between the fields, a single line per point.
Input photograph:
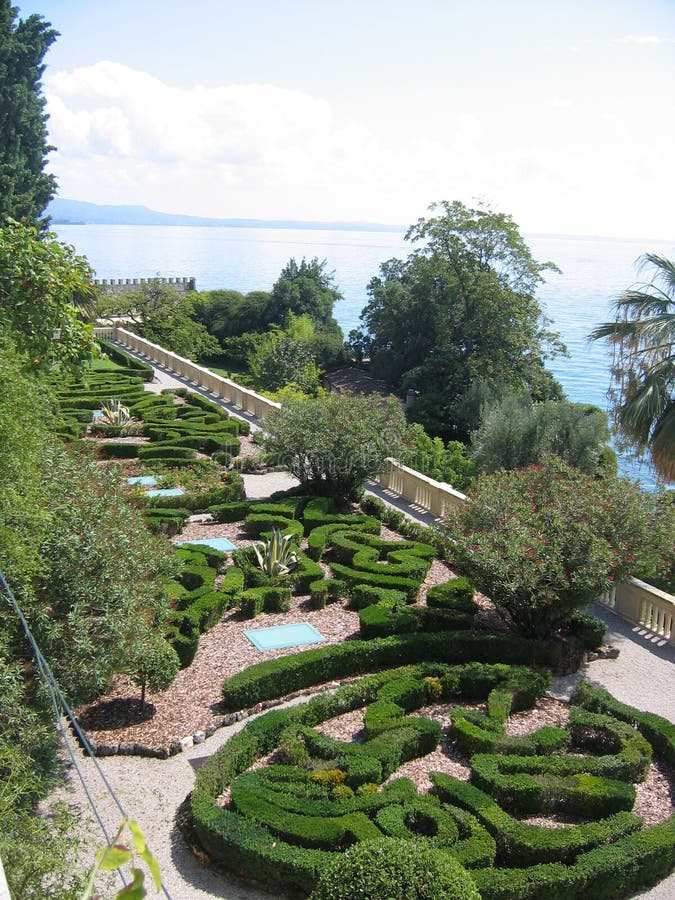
x=78 y=212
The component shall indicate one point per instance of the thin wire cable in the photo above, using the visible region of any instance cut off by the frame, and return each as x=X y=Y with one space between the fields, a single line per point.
x=57 y=698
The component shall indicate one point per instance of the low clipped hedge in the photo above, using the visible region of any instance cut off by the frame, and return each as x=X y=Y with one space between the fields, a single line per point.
x=115 y=450
x=113 y=352
x=234 y=511
x=161 y=452
x=456 y=594
x=290 y=824
x=268 y=599
x=519 y=844
x=377 y=621
x=658 y=731
x=276 y=678
x=320 y=537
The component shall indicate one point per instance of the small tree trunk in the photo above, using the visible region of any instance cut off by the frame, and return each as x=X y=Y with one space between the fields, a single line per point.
x=143 y=685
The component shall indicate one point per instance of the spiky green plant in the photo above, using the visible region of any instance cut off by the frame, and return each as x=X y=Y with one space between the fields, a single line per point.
x=115 y=413
x=276 y=556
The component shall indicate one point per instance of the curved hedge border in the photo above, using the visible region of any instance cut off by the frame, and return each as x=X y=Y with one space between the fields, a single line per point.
x=286 y=822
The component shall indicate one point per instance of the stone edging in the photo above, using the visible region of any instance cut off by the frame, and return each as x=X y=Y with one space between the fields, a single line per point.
x=130 y=748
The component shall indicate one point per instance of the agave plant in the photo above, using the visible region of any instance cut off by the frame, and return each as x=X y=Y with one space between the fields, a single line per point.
x=276 y=555
x=114 y=413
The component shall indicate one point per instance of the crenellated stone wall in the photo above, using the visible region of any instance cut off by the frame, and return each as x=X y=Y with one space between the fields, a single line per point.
x=134 y=285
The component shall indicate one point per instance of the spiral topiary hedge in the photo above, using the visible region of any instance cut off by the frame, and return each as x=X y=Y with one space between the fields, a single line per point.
x=302 y=821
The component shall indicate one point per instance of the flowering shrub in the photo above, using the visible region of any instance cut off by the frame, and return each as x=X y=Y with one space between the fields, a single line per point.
x=545 y=540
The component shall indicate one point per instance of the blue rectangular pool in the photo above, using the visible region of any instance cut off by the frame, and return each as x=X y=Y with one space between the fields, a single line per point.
x=278 y=636
x=166 y=492
x=143 y=480
x=216 y=543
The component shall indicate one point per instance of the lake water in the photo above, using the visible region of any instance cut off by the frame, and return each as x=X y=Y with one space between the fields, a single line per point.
x=594 y=272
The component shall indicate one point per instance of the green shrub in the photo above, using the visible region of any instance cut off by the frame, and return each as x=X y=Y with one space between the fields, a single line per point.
x=519 y=844
x=276 y=678
x=458 y=594
x=256 y=524
x=390 y=868
x=113 y=450
x=269 y=599
x=320 y=537
x=156 y=451
x=658 y=731
x=235 y=511
x=326 y=590
x=362 y=595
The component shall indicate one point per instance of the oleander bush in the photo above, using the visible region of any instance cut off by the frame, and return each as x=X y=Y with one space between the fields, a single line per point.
x=299 y=821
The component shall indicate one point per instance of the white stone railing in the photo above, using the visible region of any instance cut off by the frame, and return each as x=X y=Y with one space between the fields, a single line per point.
x=420 y=490
x=241 y=397
x=644 y=605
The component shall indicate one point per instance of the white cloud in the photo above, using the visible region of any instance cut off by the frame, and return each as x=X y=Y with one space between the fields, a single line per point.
x=643 y=40
x=258 y=150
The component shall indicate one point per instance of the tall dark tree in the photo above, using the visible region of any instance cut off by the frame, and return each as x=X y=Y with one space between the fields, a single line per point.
x=25 y=188
x=459 y=318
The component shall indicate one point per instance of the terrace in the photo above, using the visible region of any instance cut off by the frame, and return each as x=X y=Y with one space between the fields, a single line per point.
x=224 y=651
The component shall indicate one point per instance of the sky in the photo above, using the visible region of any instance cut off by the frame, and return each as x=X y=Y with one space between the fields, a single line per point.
x=561 y=114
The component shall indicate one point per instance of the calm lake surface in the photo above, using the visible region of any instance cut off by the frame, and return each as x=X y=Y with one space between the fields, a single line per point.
x=593 y=272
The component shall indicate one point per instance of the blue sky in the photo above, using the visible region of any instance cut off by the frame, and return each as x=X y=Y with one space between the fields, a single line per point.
x=560 y=113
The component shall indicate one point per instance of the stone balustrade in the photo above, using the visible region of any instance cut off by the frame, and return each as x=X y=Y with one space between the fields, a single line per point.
x=644 y=605
x=243 y=398
x=420 y=490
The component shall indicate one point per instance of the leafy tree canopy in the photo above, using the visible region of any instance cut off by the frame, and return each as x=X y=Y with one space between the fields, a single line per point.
x=459 y=312
x=227 y=314
x=25 y=189
x=306 y=289
x=165 y=316
x=332 y=444
x=642 y=337
x=45 y=290
x=515 y=432
x=548 y=539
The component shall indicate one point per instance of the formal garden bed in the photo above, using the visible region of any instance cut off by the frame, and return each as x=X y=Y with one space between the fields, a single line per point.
x=422 y=716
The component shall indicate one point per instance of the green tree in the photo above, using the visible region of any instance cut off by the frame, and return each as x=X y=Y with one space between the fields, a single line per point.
x=306 y=289
x=332 y=444
x=166 y=317
x=545 y=540
x=98 y=600
x=25 y=188
x=440 y=461
x=459 y=312
x=44 y=292
x=227 y=314
x=642 y=337
x=514 y=432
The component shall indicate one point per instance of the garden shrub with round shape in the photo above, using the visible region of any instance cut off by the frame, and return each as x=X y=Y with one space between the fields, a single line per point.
x=394 y=869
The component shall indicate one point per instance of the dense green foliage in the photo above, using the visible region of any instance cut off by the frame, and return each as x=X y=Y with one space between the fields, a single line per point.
x=458 y=320
x=331 y=445
x=165 y=317
x=514 y=432
x=447 y=462
x=395 y=869
x=25 y=188
x=546 y=540
x=642 y=337
x=43 y=289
